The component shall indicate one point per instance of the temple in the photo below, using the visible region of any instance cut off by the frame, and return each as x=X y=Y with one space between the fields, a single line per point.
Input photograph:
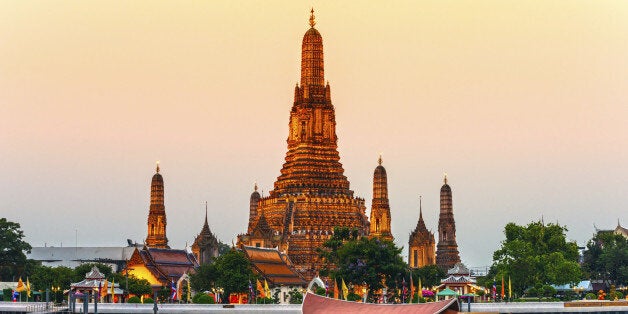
x=380 y=209
x=447 y=249
x=421 y=244
x=205 y=246
x=311 y=196
x=157 y=214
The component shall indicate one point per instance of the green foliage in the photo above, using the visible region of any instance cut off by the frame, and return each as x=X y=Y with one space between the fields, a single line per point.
x=362 y=260
x=590 y=296
x=606 y=258
x=617 y=295
x=430 y=275
x=134 y=300
x=202 y=298
x=44 y=277
x=296 y=297
x=353 y=297
x=223 y=248
x=320 y=291
x=548 y=291
x=536 y=254
x=204 y=277
x=139 y=286
x=6 y=294
x=12 y=251
x=265 y=301
x=233 y=271
x=148 y=300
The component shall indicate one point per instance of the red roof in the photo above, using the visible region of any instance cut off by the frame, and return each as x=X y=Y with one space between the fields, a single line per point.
x=318 y=304
x=273 y=266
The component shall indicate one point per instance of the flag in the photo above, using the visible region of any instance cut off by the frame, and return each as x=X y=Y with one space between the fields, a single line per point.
x=260 y=289
x=189 y=294
x=105 y=289
x=251 y=292
x=420 y=288
x=113 y=292
x=326 y=289
x=335 y=289
x=509 y=288
x=15 y=296
x=173 y=291
x=494 y=288
x=266 y=289
x=28 y=288
x=345 y=290
x=503 y=294
x=20 y=285
x=411 y=289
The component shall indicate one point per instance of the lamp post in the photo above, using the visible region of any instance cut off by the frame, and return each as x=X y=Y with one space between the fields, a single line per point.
x=155 y=290
x=217 y=291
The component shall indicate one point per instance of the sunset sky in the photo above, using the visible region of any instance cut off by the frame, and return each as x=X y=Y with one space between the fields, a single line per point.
x=523 y=103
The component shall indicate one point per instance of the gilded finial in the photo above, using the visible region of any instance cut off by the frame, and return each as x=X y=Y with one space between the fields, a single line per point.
x=379 y=161
x=445 y=178
x=312 y=22
x=157 y=166
x=255 y=187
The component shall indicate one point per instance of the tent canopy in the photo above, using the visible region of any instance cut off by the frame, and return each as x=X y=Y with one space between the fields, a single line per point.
x=447 y=292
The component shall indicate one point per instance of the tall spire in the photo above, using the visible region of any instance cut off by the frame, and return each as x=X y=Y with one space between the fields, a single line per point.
x=380 y=208
x=312 y=73
x=157 y=213
x=312 y=22
x=420 y=207
x=379 y=161
x=445 y=180
x=206 y=214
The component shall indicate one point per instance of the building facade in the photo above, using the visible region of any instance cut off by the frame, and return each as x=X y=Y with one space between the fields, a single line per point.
x=447 y=249
x=311 y=196
x=156 y=233
x=421 y=244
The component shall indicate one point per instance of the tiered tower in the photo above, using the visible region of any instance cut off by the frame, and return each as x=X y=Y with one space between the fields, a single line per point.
x=312 y=195
x=205 y=246
x=447 y=250
x=157 y=214
x=380 y=209
x=421 y=244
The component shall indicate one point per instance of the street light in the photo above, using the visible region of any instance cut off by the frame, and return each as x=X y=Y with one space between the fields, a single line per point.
x=217 y=291
x=155 y=290
x=126 y=270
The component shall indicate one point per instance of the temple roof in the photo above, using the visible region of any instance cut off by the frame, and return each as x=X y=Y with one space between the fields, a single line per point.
x=164 y=264
x=273 y=266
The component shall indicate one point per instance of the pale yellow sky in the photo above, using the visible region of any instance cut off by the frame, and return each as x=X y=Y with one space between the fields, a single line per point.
x=523 y=103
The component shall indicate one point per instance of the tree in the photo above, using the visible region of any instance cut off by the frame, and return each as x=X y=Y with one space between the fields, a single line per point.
x=536 y=254
x=606 y=258
x=204 y=277
x=233 y=272
x=362 y=260
x=12 y=250
x=430 y=275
